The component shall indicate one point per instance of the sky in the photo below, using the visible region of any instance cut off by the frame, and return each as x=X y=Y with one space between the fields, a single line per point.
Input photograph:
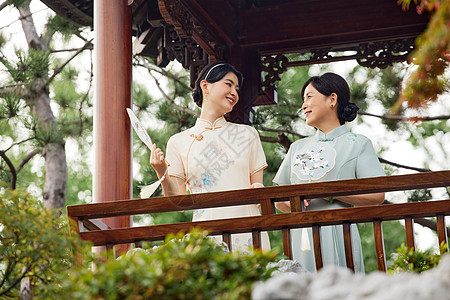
x=399 y=150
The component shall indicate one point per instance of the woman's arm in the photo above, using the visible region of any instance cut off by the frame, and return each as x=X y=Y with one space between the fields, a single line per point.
x=256 y=180
x=284 y=206
x=363 y=199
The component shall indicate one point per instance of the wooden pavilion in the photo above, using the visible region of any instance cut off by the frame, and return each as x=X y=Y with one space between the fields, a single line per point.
x=256 y=36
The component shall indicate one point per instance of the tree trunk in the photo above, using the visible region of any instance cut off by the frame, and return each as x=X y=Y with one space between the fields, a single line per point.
x=55 y=180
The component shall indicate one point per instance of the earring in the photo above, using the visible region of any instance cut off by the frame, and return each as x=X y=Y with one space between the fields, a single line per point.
x=331 y=105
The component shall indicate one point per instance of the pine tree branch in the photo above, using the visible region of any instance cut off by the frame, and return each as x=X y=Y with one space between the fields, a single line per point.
x=18 y=143
x=33 y=39
x=170 y=101
x=282 y=139
x=177 y=79
x=288 y=131
x=61 y=67
x=405 y=119
x=19 y=91
x=285 y=142
x=3 y=5
x=85 y=96
x=89 y=47
x=27 y=158
x=382 y=160
x=11 y=168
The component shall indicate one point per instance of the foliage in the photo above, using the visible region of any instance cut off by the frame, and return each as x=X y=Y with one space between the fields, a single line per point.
x=410 y=260
x=185 y=267
x=432 y=56
x=34 y=243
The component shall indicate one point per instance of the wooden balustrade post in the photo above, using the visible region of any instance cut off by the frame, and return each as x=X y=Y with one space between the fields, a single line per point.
x=442 y=230
x=287 y=246
x=256 y=239
x=226 y=237
x=348 y=246
x=409 y=229
x=296 y=203
x=379 y=245
x=317 y=247
x=267 y=207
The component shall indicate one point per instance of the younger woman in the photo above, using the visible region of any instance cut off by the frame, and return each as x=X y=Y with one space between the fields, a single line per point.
x=215 y=155
x=333 y=153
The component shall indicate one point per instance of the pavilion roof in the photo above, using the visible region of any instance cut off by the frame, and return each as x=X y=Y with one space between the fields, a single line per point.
x=194 y=32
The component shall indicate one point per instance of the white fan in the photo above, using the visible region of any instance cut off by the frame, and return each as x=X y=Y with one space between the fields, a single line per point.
x=148 y=190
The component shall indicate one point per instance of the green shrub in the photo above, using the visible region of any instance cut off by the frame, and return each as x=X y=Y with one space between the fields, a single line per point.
x=409 y=260
x=34 y=243
x=184 y=267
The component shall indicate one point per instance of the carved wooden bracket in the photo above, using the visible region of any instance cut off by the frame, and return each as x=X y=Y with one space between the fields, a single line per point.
x=273 y=66
x=371 y=55
x=385 y=53
x=184 y=50
x=176 y=13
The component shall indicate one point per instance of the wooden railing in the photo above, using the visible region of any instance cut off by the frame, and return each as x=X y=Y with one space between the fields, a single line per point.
x=92 y=229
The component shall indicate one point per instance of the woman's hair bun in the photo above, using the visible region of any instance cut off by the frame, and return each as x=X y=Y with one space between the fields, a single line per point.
x=197 y=96
x=350 y=112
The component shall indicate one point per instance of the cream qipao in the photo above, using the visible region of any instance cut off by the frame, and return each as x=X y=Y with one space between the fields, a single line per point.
x=313 y=161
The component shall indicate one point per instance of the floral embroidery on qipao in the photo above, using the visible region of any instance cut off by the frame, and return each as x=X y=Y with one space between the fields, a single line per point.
x=207 y=180
x=313 y=161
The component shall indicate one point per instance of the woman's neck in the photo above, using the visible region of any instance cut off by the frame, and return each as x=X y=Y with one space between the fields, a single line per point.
x=209 y=115
x=328 y=127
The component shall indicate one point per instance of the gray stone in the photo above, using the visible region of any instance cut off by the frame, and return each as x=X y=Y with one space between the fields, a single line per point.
x=287 y=266
x=333 y=283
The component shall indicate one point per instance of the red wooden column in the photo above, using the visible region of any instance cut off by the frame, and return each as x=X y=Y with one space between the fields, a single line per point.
x=112 y=95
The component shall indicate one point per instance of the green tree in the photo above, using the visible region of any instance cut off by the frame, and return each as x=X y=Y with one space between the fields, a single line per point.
x=39 y=103
x=432 y=56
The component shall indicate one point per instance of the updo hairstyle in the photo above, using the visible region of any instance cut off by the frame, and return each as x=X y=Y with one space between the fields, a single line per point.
x=330 y=83
x=213 y=72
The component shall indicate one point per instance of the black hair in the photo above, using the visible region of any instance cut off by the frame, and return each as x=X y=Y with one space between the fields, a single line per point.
x=213 y=72
x=330 y=83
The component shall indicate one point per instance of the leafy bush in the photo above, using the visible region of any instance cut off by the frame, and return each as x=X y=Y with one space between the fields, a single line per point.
x=34 y=243
x=184 y=267
x=410 y=260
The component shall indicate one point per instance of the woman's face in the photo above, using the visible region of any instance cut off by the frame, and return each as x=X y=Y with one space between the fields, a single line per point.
x=222 y=95
x=316 y=107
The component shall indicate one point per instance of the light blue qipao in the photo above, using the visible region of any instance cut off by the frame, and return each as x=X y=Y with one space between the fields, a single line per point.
x=338 y=155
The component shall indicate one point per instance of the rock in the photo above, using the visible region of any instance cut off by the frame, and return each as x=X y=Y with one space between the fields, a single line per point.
x=333 y=282
x=287 y=266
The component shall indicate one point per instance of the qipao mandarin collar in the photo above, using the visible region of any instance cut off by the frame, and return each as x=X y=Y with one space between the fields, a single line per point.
x=337 y=132
x=205 y=124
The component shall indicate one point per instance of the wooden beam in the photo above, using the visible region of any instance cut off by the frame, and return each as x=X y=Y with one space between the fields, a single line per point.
x=317 y=24
x=253 y=196
x=275 y=222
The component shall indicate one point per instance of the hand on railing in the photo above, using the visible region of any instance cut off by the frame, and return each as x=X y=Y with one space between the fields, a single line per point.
x=256 y=185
